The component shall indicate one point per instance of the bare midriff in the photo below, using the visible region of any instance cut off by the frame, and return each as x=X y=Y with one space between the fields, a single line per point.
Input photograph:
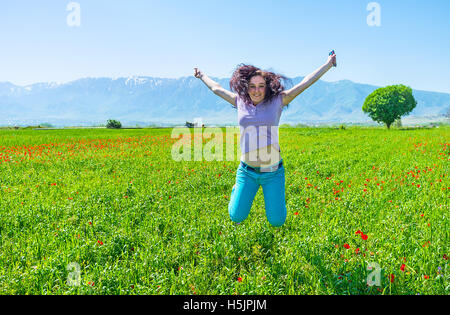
x=262 y=157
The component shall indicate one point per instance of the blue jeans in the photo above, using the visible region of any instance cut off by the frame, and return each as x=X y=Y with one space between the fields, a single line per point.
x=247 y=185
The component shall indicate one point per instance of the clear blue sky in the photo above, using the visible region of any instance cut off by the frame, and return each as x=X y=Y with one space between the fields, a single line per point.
x=168 y=38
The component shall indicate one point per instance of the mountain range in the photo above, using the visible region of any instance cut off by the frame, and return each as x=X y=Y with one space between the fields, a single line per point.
x=161 y=101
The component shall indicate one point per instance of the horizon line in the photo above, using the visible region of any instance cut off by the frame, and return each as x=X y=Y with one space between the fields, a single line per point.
x=183 y=77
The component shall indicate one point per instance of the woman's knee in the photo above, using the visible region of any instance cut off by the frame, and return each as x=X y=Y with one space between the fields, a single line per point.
x=277 y=222
x=237 y=214
x=277 y=217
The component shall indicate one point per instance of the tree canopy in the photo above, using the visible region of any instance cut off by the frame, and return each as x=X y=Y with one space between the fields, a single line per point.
x=390 y=103
x=113 y=124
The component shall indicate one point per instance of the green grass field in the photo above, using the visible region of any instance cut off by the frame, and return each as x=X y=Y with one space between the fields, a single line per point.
x=110 y=212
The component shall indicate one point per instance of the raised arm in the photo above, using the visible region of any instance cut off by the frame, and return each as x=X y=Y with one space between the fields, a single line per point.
x=216 y=88
x=289 y=95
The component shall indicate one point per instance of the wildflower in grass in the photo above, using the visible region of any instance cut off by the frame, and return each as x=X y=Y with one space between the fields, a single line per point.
x=391 y=277
x=364 y=236
x=239 y=279
x=100 y=243
x=426 y=277
x=402 y=268
x=295 y=213
x=358 y=232
x=346 y=246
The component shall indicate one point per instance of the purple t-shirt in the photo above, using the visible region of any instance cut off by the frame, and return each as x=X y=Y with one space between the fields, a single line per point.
x=259 y=124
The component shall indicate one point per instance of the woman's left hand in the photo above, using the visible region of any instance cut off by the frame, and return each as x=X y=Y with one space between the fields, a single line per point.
x=332 y=60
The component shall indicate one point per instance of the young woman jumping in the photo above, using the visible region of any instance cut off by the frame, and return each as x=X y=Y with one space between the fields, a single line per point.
x=259 y=98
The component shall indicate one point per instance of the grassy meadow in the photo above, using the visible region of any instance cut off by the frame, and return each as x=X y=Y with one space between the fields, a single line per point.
x=110 y=212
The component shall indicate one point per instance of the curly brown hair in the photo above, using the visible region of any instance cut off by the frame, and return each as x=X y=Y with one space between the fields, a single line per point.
x=244 y=73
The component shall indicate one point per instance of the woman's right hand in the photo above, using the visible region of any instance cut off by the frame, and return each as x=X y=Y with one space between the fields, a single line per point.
x=198 y=74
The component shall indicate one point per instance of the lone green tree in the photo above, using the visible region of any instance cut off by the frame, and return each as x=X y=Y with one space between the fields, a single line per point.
x=113 y=124
x=388 y=104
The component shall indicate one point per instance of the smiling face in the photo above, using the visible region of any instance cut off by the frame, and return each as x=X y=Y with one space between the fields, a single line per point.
x=257 y=89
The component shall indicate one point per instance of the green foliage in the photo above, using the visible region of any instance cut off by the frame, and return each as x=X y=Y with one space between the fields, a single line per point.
x=136 y=222
x=113 y=124
x=386 y=105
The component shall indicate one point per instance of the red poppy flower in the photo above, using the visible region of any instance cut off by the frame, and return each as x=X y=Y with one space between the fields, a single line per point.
x=392 y=278
x=100 y=242
x=402 y=268
x=364 y=236
x=239 y=279
x=346 y=246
